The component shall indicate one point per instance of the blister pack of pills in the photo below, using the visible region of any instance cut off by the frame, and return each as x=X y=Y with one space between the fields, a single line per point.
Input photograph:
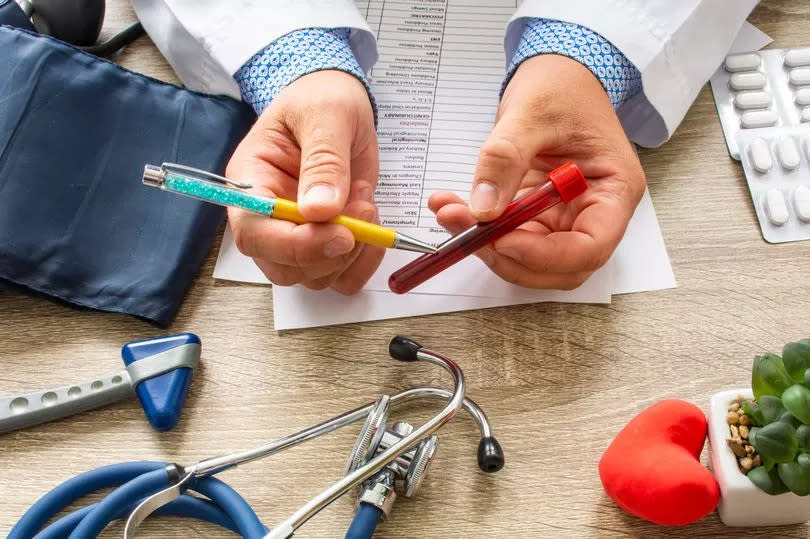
x=763 y=100
x=757 y=90
x=776 y=162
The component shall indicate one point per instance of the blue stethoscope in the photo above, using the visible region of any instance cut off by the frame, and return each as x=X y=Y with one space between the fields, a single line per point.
x=382 y=459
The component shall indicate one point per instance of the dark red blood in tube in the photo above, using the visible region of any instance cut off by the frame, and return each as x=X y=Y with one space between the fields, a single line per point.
x=565 y=183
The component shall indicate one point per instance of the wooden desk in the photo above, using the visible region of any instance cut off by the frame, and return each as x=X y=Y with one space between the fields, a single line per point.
x=558 y=381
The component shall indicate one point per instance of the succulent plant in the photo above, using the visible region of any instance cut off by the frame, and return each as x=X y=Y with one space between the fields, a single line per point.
x=781 y=416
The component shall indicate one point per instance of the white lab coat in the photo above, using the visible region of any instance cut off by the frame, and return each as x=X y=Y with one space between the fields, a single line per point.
x=675 y=44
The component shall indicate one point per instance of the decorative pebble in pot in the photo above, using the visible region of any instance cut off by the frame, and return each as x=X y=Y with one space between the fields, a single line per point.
x=760 y=442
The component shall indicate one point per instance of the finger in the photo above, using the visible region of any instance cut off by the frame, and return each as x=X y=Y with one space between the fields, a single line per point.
x=321 y=276
x=443 y=198
x=286 y=243
x=279 y=274
x=268 y=178
x=320 y=284
x=455 y=217
x=518 y=274
x=595 y=234
x=360 y=271
x=324 y=178
x=357 y=275
x=504 y=160
x=365 y=170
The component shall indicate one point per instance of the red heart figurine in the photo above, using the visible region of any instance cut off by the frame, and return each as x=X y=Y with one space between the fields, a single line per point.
x=652 y=468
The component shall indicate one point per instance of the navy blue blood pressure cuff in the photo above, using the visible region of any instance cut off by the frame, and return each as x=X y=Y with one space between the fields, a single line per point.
x=76 y=222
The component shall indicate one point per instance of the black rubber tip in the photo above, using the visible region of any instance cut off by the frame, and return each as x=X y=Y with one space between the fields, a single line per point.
x=403 y=348
x=490 y=455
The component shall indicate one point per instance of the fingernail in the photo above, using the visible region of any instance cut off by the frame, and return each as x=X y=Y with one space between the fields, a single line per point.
x=484 y=197
x=511 y=253
x=367 y=216
x=320 y=194
x=339 y=245
x=364 y=192
x=487 y=257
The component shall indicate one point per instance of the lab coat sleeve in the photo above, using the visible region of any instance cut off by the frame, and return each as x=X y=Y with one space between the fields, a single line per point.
x=207 y=41
x=675 y=44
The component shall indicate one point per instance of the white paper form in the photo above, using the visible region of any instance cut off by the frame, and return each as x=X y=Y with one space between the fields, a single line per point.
x=437 y=93
x=436 y=83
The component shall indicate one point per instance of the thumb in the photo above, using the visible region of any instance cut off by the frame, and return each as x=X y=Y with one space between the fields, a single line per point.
x=324 y=178
x=504 y=160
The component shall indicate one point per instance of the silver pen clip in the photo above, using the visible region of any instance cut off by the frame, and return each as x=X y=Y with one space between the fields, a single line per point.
x=155 y=176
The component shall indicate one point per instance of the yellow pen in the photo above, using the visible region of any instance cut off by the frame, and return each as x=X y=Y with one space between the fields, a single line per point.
x=216 y=189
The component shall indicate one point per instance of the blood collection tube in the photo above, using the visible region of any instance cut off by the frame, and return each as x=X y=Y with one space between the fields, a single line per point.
x=564 y=184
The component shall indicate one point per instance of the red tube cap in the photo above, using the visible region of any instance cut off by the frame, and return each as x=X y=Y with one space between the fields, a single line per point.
x=569 y=181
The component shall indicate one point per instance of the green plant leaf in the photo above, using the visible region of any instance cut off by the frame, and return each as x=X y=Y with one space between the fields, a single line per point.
x=776 y=442
x=769 y=377
x=805 y=341
x=807 y=378
x=803 y=438
x=772 y=409
x=788 y=418
x=796 y=359
x=767 y=481
x=796 y=399
x=753 y=411
x=752 y=433
x=796 y=475
x=768 y=463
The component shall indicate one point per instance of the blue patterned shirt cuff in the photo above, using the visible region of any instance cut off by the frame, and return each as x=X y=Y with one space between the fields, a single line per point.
x=292 y=56
x=618 y=76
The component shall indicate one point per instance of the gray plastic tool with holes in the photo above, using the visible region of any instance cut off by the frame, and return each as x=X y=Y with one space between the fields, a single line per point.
x=28 y=409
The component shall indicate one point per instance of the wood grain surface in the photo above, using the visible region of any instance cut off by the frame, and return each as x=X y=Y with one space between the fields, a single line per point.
x=558 y=381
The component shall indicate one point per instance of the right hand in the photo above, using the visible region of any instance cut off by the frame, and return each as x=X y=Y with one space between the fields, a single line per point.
x=316 y=144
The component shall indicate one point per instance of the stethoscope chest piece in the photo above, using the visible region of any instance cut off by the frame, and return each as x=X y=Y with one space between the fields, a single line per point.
x=370 y=435
x=405 y=473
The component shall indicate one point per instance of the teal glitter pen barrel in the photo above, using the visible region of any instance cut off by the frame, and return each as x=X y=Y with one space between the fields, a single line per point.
x=218 y=194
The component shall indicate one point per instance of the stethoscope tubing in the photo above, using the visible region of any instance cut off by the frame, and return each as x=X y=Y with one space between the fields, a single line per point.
x=138 y=480
x=134 y=480
x=184 y=506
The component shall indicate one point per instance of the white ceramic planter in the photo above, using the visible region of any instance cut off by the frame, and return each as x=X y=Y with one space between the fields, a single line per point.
x=741 y=502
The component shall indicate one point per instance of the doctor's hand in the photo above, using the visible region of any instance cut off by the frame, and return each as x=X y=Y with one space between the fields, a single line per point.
x=316 y=144
x=553 y=110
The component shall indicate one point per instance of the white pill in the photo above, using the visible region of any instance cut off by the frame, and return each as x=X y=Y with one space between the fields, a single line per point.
x=747 y=81
x=758 y=118
x=798 y=76
x=787 y=153
x=742 y=62
x=806 y=114
x=798 y=57
x=775 y=207
x=759 y=99
x=760 y=155
x=803 y=96
x=801 y=201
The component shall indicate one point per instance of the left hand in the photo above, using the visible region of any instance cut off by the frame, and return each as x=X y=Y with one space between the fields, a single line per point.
x=553 y=110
